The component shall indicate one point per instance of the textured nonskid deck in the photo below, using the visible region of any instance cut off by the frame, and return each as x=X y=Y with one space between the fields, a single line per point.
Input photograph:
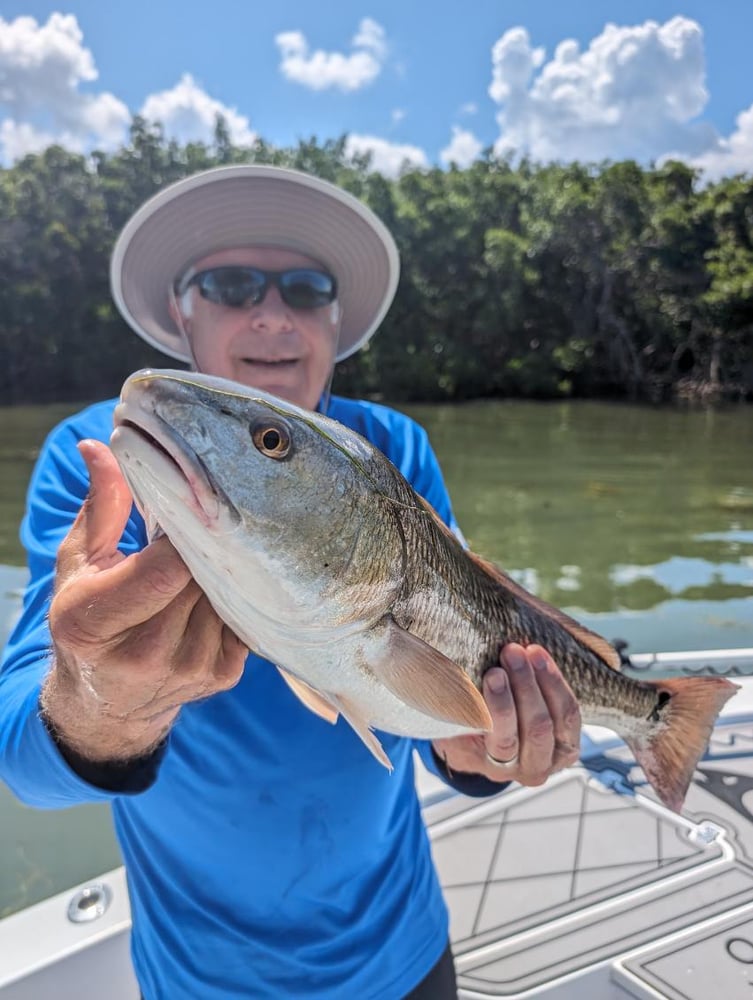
x=589 y=887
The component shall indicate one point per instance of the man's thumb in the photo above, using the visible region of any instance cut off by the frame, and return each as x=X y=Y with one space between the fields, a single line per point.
x=101 y=521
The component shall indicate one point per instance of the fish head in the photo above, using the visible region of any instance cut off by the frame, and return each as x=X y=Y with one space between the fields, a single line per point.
x=257 y=493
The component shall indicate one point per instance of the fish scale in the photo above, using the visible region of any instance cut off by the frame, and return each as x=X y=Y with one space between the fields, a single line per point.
x=487 y=616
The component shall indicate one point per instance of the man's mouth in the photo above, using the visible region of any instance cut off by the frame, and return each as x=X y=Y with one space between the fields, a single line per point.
x=270 y=362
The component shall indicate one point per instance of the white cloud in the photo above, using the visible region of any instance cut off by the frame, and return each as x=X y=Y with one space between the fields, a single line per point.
x=729 y=156
x=398 y=115
x=463 y=149
x=35 y=59
x=321 y=70
x=105 y=117
x=634 y=92
x=513 y=62
x=41 y=70
x=19 y=138
x=469 y=108
x=371 y=36
x=188 y=114
x=387 y=158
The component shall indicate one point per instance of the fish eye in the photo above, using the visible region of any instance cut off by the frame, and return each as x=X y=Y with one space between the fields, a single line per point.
x=271 y=438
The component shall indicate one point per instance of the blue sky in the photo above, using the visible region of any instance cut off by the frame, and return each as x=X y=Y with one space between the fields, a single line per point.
x=427 y=82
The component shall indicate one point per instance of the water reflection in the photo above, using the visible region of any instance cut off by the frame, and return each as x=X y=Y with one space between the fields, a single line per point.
x=680 y=574
x=637 y=520
x=734 y=537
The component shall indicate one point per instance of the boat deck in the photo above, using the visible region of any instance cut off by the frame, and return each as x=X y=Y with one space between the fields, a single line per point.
x=590 y=887
x=584 y=889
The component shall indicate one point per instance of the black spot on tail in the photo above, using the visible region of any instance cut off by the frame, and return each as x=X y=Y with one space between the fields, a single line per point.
x=661 y=703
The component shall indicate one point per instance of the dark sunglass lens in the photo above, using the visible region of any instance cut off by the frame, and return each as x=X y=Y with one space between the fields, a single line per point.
x=231 y=286
x=306 y=289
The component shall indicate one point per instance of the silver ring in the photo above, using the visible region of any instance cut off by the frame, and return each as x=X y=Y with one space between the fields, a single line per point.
x=502 y=763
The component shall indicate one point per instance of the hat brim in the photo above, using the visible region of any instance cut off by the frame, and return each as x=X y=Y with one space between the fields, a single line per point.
x=252 y=205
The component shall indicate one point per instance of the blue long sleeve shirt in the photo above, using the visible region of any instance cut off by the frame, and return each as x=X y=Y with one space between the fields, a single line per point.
x=268 y=854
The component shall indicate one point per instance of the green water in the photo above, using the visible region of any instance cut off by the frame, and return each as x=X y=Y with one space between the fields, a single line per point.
x=639 y=521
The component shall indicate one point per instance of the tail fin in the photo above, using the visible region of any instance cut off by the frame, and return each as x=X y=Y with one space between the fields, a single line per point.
x=687 y=709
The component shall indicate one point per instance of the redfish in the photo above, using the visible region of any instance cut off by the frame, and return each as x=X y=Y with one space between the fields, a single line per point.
x=320 y=556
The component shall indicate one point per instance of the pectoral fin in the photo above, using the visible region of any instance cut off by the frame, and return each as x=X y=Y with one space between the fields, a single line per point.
x=429 y=681
x=314 y=701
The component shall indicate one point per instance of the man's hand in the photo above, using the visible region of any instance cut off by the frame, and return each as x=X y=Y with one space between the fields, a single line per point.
x=536 y=722
x=134 y=636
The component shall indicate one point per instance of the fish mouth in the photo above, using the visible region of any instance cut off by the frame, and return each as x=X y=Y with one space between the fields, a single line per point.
x=144 y=433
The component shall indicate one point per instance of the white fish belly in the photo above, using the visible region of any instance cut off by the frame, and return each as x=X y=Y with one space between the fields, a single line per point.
x=349 y=671
x=342 y=663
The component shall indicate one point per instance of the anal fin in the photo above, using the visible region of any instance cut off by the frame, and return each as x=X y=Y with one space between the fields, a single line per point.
x=352 y=714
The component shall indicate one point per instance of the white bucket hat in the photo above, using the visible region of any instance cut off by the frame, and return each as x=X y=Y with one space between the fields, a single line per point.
x=252 y=205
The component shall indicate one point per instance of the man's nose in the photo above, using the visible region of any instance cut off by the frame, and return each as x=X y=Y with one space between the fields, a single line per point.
x=271 y=312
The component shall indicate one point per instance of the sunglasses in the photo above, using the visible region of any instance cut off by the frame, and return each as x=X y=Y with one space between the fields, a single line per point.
x=237 y=286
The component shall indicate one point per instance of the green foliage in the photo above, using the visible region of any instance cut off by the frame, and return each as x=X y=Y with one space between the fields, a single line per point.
x=592 y=280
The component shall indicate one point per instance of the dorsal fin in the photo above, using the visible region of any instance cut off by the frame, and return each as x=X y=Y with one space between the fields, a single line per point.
x=592 y=640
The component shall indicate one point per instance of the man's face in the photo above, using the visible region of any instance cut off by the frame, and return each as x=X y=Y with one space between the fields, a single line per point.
x=272 y=346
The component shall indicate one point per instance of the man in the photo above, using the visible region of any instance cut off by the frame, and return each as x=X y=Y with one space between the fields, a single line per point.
x=268 y=854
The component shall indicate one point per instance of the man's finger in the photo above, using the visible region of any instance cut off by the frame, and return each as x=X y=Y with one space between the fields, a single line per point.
x=534 y=721
x=100 y=606
x=94 y=536
x=163 y=632
x=232 y=660
x=502 y=742
x=563 y=706
x=108 y=505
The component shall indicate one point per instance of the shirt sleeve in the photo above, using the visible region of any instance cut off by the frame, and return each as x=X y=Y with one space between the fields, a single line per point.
x=32 y=764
